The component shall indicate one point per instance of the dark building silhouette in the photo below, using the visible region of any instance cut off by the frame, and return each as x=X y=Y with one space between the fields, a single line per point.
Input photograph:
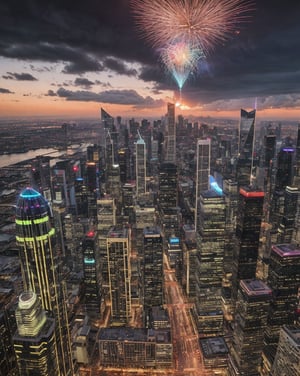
x=249 y=217
x=246 y=143
x=153 y=267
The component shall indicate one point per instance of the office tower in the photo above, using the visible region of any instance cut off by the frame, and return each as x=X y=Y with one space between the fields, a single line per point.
x=119 y=272
x=211 y=245
x=249 y=217
x=140 y=166
x=284 y=280
x=174 y=252
x=215 y=355
x=40 y=173
x=40 y=266
x=81 y=197
x=93 y=153
x=34 y=342
x=202 y=173
x=128 y=194
x=124 y=163
x=287 y=359
x=283 y=178
x=8 y=363
x=248 y=328
x=92 y=185
x=170 y=154
x=136 y=348
x=106 y=119
x=106 y=218
x=284 y=168
x=288 y=220
x=113 y=183
x=296 y=181
x=230 y=190
x=246 y=144
x=153 y=267
x=167 y=180
x=91 y=274
x=59 y=186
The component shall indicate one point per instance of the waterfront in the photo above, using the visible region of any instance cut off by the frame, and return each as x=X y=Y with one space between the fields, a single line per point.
x=11 y=159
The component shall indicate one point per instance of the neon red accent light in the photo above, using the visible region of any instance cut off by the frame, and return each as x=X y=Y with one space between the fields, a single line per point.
x=251 y=194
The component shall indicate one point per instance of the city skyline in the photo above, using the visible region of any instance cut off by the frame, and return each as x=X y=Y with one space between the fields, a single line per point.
x=68 y=60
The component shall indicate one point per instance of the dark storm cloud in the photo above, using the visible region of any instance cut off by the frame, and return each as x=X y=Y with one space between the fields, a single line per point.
x=19 y=76
x=262 y=60
x=123 y=97
x=5 y=91
x=51 y=93
x=119 y=67
x=83 y=82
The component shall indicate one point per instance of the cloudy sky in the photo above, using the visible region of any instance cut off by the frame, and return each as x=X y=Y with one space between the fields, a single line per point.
x=70 y=58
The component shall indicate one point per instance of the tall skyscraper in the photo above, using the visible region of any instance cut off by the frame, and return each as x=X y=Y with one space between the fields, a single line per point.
x=209 y=263
x=34 y=342
x=170 y=155
x=153 y=267
x=106 y=218
x=168 y=195
x=250 y=321
x=91 y=274
x=246 y=144
x=119 y=271
x=287 y=359
x=296 y=181
x=35 y=236
x=140 y=166
x=284 y=280
x=249 y=219
x=288 y=220
x=202 y=173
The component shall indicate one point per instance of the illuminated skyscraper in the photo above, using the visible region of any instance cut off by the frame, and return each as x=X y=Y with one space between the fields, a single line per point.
x=249 y=219
x=34 y=342
x=168 y=195
x=250 y=321
x=283 y=178
x=35 y=236
x=202 y=173
x=284 y=280
x=91 y=274
x=246 y=144
x=119 y=272
x=140 y=164
x=209 y=263
x=106 y=216
x=170 y=155
x=153 y=267
x=288 y=220
x=287 y=358
x=296 y=181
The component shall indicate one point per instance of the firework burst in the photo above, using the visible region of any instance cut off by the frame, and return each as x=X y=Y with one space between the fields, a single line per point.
x=201 y=23
x=181 y=59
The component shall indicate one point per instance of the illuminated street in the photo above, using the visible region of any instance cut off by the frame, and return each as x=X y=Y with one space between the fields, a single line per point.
x=188 y=360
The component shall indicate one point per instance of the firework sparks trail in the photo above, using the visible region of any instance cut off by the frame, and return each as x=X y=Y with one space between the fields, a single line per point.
x=201 y=23
x=181 y=59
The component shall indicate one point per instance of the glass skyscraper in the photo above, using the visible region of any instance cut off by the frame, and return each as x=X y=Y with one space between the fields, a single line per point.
x=35 y=236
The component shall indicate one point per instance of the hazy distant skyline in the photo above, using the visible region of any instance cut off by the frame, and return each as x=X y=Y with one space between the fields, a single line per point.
x=68 y=58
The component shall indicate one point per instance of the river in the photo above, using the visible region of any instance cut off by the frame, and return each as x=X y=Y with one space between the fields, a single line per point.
x=11 y=159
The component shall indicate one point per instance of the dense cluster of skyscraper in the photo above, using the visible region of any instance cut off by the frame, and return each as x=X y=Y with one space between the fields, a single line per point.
x=93 y=230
